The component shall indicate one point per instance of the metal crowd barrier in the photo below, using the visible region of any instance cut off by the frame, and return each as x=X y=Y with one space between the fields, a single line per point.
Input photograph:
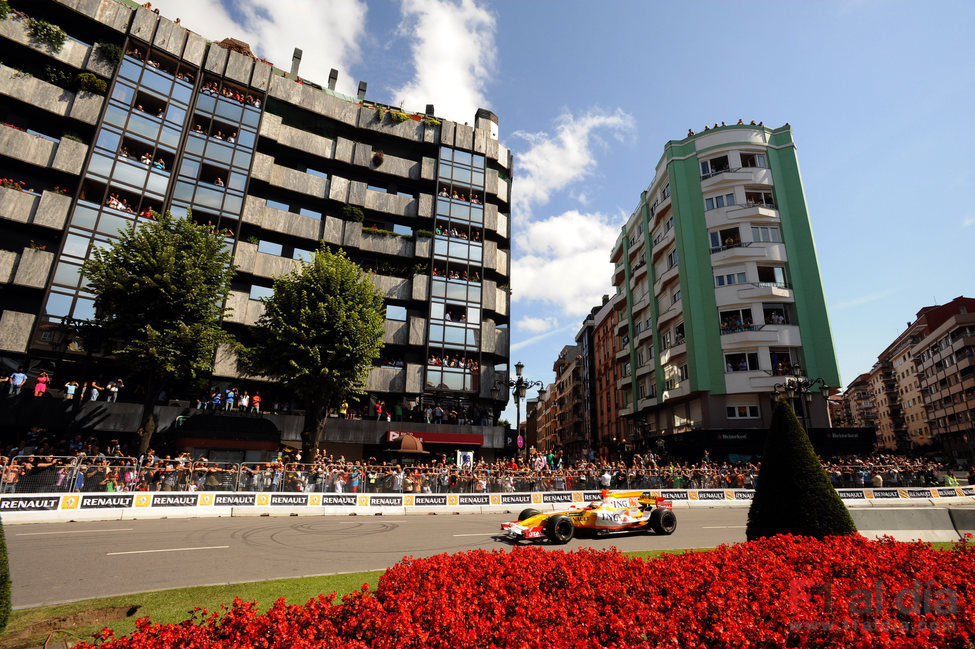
x=36 y=474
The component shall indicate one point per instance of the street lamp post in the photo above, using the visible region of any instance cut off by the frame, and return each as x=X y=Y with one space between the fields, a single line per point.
x=519 y=387
x=799 y=388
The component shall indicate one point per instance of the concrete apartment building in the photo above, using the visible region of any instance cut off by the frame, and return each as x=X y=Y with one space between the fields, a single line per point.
x=920 y=394
x=276 y=163
x=719 y=289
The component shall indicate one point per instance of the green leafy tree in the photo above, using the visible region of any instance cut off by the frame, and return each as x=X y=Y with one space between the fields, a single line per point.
x=319 y=334
x=159 y=298
x=794 y=494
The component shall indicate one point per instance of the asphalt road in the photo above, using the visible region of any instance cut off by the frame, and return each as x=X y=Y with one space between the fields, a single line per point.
x=61 y=562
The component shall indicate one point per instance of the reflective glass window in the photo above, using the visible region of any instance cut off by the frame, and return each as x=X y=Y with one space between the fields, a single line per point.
x=460 y=210
x=237 y=181
x=209 y=197
x=229 y=109
x=474 y=254
x=252 y=117
x=123 y=93
x=130 y=69
x=477 y=214
x=477 y=179
x=76 y=246
x=462 y=175
x=474 y=294
x=260 y=292
x=195 y=144
x=67 y=274
x=440 y=246
x=100 y=164
x=312 y=213
x=218 y=152
x=108 y=140
x=84 y=309
x=184 y=192
x=445 y=171
x=436 y=310
x=205 y=103
x=439 y=288
x=189 y=168
x=175 y=114
x=242 y=158
x=58 y=305
x=246 y=138
x=463 y=157
x=472 y=336
x=158 y=81
x=478 y=161
x=456 y=291
x=453 y=380
x=305 y=255
x=144 y=126
x=169 y=137
x=443 y=207
x=158 y=181
x=111 y=224
x=182 y=92
x=454 y=335
x=278 y=205
x=130 y=173
x=233 y=204
x=445 y=153
x=116 y=115
x=269 y=248
x=436 y=333
x=84 y=216
x=473 y=315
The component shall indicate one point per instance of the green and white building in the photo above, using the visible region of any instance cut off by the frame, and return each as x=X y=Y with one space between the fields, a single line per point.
x=719 y=288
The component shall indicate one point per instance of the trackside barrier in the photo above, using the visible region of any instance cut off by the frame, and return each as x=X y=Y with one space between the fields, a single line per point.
x=931 y=524
x=50 y=507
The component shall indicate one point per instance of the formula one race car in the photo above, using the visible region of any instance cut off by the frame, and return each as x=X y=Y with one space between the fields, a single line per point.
x=616 y=511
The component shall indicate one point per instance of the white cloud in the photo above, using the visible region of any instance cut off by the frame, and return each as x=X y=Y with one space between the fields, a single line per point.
x=328 y=33
x=527 y=342
x=564 y=261
x=970 y=221
x=453 y=56
x=863 y=299
x=537 y=325
x=553 y=162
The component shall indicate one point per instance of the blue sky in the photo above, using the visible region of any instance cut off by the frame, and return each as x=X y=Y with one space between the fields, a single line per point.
x=879 y=95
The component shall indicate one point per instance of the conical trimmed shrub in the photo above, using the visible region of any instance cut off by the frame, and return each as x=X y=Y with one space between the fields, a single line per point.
x=794 y=494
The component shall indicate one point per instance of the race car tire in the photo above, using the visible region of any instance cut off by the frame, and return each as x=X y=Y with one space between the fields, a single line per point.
x=663 y=521
x=560 y=529
x=528 y=513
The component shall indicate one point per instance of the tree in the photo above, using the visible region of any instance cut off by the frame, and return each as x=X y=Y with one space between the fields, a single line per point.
x=159 y=298
x=794 y=494
x=320 y=331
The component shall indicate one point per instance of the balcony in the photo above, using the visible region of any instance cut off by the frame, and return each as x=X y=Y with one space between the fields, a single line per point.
x=47 y=209
x=42 y=151
x=257 y=212
x=82 y=106
x=754 y=291
x=301 y=140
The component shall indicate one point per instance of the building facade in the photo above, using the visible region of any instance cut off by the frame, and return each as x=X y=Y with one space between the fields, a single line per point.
x=609 y=431
x=278 y=165
x=720 y=290
x=859 y=403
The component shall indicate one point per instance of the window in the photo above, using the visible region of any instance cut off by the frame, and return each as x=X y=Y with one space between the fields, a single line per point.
x=671 y=259
x=743 y=362
x=675 y=297
x=669 y=225
x=779 y=314
x=759 y=198
x=724 y=239
x=772 y=276
x=753 y=160
x=766 y=234
x=679 y=334
x=270 y=248
x=742 y=412
x=783 y=360
x=260 y=292
x=735 y=320
x=665 y=193
x=729 y=279
x=719 y=201
x=394 y=312
x=714 y=166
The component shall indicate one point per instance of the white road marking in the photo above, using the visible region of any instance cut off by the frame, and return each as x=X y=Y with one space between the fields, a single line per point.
x=482 y=534
x=209 y=547
x=114 y=529
x=722 y=527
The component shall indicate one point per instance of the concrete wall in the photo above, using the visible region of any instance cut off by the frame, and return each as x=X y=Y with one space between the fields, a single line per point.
x=83 y=106
x=258 y=213
x=15 y=330
x=48 y=210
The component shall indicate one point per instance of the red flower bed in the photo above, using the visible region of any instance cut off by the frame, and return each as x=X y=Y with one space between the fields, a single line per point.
x=781 y=592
